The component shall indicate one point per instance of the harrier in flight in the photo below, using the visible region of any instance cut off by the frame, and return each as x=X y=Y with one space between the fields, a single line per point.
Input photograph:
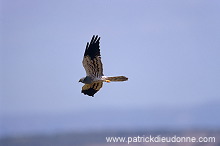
x=94 y=69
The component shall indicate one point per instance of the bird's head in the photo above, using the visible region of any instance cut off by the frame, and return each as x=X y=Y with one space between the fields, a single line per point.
x=81 y=80
x=86 y=80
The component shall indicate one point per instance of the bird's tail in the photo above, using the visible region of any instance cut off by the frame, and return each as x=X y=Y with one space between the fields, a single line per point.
x=117 y=78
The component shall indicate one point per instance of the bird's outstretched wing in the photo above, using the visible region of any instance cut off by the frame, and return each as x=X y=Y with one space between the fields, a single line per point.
x=91 y=89
x=92 y=58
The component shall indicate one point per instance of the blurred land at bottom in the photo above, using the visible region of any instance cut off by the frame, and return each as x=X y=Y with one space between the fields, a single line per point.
x=99 y=138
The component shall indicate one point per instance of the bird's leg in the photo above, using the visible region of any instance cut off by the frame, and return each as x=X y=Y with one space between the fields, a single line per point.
x=108 y=81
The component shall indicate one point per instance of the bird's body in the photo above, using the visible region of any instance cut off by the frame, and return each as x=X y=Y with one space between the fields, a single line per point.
x=94 y=69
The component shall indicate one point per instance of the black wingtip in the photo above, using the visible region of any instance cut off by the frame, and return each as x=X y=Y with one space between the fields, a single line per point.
x=92 y=48
x=95 y=38
x=89 y=92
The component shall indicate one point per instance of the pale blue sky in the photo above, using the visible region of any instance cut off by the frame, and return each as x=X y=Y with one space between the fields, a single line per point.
x=170 y=50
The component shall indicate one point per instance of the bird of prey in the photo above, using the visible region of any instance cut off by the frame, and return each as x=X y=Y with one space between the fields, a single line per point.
x=94 y=69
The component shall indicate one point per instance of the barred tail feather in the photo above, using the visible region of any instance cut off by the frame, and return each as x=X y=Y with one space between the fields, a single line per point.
x=117 y=78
